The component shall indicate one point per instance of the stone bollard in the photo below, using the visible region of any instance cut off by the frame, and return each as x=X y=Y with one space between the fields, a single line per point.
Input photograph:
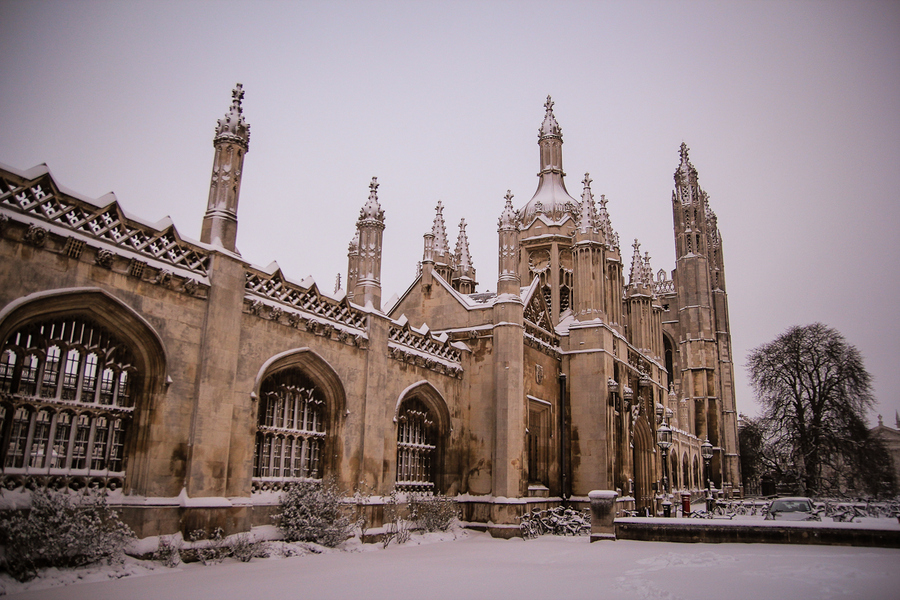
x=603 y=512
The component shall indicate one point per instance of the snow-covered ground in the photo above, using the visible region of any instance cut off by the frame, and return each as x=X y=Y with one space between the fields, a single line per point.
x=474 y=565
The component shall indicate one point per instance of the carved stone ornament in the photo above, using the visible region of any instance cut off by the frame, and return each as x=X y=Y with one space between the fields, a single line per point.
x=36 y=236
x=105 y=258
x=255 y=307
x=190 y=286
x=163 y=277
x=275 y=313
x=4 y=220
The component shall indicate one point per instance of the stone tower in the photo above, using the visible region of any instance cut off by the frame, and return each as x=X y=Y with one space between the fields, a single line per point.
x=705 y=373
x=232 y=142
x=547 y=223
x=369 y=230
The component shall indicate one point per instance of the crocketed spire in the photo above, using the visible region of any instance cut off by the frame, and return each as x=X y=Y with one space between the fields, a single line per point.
x=508 y=216
x=233 y=127
x=605 y=225
x=372 y=209
x=463 y=258
x=549 y=126
x=636 y=275
x=588 y=210
x=441 y=245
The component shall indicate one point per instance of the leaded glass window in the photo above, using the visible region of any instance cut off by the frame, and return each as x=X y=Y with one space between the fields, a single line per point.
x=416 y=446
x=291 y=429
x=66 y=387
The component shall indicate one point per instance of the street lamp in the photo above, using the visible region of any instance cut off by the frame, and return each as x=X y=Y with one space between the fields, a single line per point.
x=706 y=451
x=664 y=441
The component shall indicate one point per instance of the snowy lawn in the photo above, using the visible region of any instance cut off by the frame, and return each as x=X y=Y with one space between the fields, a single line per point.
x=474 y=565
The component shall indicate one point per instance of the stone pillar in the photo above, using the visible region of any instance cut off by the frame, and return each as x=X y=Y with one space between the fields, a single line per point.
x=603 y=513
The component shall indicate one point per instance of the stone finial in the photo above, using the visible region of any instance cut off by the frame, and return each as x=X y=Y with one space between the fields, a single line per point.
x=353 y=248
x=463 y=258
x=441 y=246
x=372 y=209
x=587 y=214
x=508 y=216
x=233 y=127
x=337 y=283
x=647 y=273
x=636 y=275
x=549 y=126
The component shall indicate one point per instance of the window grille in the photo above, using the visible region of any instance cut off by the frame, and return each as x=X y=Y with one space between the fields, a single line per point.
x=74 y=247
x=65 y=401
x=416 y=447
x=291 y=429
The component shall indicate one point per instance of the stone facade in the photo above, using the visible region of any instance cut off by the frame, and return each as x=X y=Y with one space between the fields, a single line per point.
x=194 y=385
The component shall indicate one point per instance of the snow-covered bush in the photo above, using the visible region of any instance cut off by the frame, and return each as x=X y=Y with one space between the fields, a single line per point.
x=244 y=547
x=432 y=512
x=313 y=512
x=209 y=549
x=396 y=527
x=169 y=551
x=61 y=529
x=560 y=520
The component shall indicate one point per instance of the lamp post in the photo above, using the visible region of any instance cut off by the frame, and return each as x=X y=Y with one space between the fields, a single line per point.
x=706 y=451
x=664 y=441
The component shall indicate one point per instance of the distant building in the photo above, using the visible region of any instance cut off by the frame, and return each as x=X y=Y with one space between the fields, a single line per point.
x=195 y=385
x=890 y=437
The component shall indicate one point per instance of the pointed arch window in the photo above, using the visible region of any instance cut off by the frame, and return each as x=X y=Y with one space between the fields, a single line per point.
x=290 y=430
x=67 y=401
x=416 y=446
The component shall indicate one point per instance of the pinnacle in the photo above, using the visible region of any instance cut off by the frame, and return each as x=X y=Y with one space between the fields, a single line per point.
x=372 y=209
x=441 y=246
x=549 y=126
x=233 y=127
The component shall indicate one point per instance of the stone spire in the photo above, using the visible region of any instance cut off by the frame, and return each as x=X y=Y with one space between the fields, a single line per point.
x=464 y=271
x=588 y=210
x=440 y=246
x=232 y=142
x=551 y=198
x=636 y=275
x=508 y=281
x=605 y=225
x=370 y=227
x=549 y=127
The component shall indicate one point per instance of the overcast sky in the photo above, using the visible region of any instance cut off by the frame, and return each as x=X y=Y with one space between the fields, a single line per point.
x=791 y=111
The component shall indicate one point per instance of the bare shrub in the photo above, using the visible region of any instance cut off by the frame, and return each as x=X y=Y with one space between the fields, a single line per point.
x=169 y=551
x=62 y=530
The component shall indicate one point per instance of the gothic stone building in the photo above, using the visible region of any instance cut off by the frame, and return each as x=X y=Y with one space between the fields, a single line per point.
x=193 y=385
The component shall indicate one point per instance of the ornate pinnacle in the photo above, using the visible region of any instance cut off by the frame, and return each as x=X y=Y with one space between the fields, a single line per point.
x=441 y=246
x=549 y=126
x=637 y=265
x=508 y=216
x=233 y=127
x=463 y=258
x=372 y=209
x=586 y=219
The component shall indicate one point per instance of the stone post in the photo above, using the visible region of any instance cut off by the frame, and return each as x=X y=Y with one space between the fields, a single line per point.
x=603 y=512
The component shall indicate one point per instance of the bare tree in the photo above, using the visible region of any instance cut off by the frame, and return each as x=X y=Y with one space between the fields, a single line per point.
x=816 y=393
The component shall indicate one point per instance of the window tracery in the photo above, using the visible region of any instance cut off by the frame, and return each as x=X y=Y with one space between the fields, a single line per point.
x=65 y=403
x=291 y=429
x=416 y=447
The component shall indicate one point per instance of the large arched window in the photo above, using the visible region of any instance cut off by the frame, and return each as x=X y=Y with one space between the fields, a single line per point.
x=416 y=447
x=66 y=402
x=291 y=428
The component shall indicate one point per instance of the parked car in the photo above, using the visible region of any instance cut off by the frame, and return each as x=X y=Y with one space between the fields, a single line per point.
x=793 y=509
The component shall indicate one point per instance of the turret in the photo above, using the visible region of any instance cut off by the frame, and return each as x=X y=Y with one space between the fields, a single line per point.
x=370 y=227
x=589 y=257
x=508 y=280
x=232 y=142
x=551 y=197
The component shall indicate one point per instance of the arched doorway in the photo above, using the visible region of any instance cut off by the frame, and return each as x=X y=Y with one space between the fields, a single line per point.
x=643 y=464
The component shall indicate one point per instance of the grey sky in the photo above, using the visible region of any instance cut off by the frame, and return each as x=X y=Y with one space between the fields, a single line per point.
x=791 y=111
